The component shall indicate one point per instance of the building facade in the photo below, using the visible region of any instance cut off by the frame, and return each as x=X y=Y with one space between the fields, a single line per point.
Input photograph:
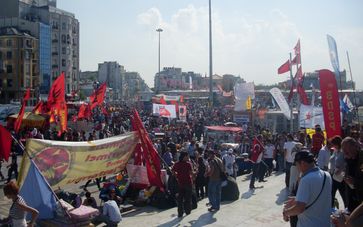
x=19 y=65
x=111 y=73
x=57 y=32
x=135 y=87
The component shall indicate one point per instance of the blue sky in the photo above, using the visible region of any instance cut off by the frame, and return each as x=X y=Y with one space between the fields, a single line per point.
x=250 y=38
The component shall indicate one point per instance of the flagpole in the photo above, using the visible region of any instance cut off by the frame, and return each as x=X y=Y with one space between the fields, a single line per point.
x=292 y=99
x=353 y=86
x=45 y=180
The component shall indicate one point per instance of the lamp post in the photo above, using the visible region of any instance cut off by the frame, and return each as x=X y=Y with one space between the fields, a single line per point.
x=210 y=57
x=159 y=30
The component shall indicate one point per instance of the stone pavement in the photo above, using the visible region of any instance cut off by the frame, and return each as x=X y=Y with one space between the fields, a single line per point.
x=260 y=207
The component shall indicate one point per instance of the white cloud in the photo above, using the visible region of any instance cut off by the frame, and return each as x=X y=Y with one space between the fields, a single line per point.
x=253 y=48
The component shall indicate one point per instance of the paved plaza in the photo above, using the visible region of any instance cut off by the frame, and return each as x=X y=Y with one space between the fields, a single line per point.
x=260 y=207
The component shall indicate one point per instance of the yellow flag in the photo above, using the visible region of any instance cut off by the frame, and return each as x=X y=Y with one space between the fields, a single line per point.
x=249 y=103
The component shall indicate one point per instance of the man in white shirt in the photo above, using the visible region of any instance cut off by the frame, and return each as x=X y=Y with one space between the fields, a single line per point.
x=288 y=146
x=312 y=203
x=111 y=214
x=229 y=160
x=324 y=157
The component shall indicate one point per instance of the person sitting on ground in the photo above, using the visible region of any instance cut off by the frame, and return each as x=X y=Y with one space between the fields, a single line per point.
x=90 y=201
x=111 y=214
x=115 y=197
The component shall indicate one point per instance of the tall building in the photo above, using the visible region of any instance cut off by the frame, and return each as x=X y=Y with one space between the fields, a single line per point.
x=57 y=32
x=134 y=87
x=19 y=61
x=111 y=73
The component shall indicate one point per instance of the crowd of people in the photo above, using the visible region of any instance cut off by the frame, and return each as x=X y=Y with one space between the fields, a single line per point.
x=315 y=167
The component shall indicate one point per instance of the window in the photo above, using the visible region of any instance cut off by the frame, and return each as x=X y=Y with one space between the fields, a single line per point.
x=1 y=43
x=27 y=55
x=9 y=55
x=64 y=50
x=10 y=82
x=63 y=62
x=64 y=26
x=9 y=42
x=63 y=38
x=9 y=69
x=1 y=55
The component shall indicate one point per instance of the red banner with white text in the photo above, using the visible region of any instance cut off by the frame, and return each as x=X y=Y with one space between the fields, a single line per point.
x=330 y=103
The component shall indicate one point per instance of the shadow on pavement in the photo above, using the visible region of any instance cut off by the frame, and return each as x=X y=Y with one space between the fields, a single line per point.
x=204 y=219
x=282 y=196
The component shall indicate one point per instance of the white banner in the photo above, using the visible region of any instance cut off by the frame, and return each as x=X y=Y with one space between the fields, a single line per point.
x=137 y=174
x=168 y=111
x=241 y=93
x=183 y=113
x=311 y=116
x=281 y=101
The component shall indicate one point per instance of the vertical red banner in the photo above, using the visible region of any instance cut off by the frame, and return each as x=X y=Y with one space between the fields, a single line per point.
x=330 y=103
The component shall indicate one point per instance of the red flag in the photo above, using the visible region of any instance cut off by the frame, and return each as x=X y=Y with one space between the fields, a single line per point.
x=284 y=67
x=296 y=60
x=162 y=100
x=98 y=96
x=57 y=91
x=257 y=149
x=82 y=111
x=152 y=160
x=38 y=109
x=21 y=112
x=330 y=103
x=303 y=96
x=297 y=48
x=62 y=115
x=291 y=93
x=299 y=76
x=104 y=110
x=5 y=145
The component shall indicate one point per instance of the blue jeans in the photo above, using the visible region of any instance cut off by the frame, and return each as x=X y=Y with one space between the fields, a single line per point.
x=214 y=193
x=287 y=177
x=280 y=162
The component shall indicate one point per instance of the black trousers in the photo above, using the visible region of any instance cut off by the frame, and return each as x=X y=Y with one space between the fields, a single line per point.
x=10 y=172
x=184 y=199
x=335 y=187
x=199 y=186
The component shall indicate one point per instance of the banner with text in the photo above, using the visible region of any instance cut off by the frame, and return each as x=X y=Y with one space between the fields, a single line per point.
x=168 y=111
x=281 y=101
x=64 y=163
x=330 y=102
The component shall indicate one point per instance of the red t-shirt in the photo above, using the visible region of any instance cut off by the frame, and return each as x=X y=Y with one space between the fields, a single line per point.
x=317 y=142
x=183 y=172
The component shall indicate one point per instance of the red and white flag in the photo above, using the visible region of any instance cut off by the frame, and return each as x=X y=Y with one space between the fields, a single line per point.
x=297 y=48
x=284 y=67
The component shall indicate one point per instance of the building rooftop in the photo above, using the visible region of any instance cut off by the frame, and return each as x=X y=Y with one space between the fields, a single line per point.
x=11 y=31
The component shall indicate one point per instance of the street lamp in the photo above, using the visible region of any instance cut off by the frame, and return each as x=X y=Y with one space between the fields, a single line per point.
x=159 y=30
x=210 y=56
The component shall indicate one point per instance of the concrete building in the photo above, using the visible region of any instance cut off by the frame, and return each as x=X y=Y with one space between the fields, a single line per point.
x=111 y=73
x=57 y=32
x=87 y=81
x=135 y=87
x=19 y=65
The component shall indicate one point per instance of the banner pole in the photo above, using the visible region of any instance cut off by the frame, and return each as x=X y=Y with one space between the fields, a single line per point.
x=292 y=99
x=353 y=86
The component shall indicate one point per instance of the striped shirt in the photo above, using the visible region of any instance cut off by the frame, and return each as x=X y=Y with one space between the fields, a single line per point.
x=15 y=211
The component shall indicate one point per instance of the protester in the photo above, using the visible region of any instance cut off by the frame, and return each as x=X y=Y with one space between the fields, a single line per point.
x=317 y=140
x=229 y=161
x=269 y=156
x=256 y=158
x=312 y=201
x=324 y=157
x=111 y=214
x=354 y=175
x=337 y=169
x=90 y=201
x=200 y=182
x=183 y=171
x=215 y=182
x=288 y=146
x=19 y=208
x=13 y=167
